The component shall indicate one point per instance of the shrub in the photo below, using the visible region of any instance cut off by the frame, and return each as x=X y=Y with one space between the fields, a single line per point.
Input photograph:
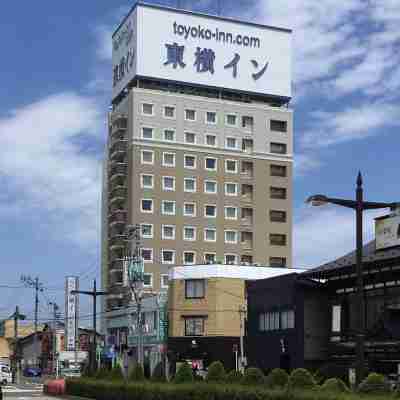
x=137 y=374
x=253 y=376
x=216 y=372
x=301 y=379
x=184 y=374
x=102 y=373
x=277 y=378
x=234 y=377
x=374 y=383
x=334 y=385
x=116 y=374
x=158 y=373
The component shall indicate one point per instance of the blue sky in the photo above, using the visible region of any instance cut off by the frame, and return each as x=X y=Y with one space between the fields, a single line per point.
x=55 y=83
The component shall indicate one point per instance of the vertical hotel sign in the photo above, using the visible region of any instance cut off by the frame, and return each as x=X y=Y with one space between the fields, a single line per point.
x=71 y=313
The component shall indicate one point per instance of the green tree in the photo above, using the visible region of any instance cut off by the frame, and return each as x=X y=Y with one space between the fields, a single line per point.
x=184 y=374
x=216 y=372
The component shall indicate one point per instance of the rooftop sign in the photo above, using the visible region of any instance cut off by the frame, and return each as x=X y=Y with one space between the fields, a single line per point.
x=387 y=232
x=180 y=46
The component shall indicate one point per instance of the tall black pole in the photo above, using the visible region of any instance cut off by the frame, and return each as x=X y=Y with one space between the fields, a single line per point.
x=15 y=369
x=360 y=283
x=94 y=360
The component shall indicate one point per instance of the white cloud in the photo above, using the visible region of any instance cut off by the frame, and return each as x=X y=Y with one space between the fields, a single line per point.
x=104 y=44
x=304 y=163
x=324 y=234
x=350 y=124
x=45 y=163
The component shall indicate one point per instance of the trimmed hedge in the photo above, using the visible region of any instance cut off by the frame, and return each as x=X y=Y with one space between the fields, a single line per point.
x=234 y=377
x=374 y=384
x=335 y=385
x=277 y=378
x=184 y=374
x=216 y=372
x=301 y=379
x=253 y=376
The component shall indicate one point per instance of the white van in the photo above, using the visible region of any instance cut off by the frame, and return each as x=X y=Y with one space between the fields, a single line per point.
x=5 y=375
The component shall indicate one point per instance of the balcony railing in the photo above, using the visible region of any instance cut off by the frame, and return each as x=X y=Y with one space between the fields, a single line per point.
x=120 y=168
x=117 y=241
x=247 y=221
x=247 y=244
x=118 y=215
x=116 y=263
x=118 y=150
x=118 y=191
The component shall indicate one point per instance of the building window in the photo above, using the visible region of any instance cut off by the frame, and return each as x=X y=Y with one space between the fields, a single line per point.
x=147 y=231
x=269 y=321
x=147 y=181
x=147 y=255
x=168 y=207
x=277 y=216
x=278 y=148
x=195 y=288
x=169 y=112
x=231 y=120
x=209 y=258
x=231 y=237
x=278 y=126
x=164 y=281
x=287 y=319
x=211 y=140
x=189 y=233
x=147 y=205
x=210 y=235
x=189 y=209
x=210 y=211
x=210 y=187
x=168 y=232
x=231 y=189
x=148 y=109
x=277 y=262
x=147 y=133
x=231 y=259
x=278 y=170
x=190 y=138
x=169 y=135
x=210 y=164
x=168 y=256
x=190 y=161
x=231 y=212
x=148 y=280
x=190 y=115
x=247 y=122
x=231 y=143
x=211 y=117
x=169 y=159
x=189 y=185
x=231 y=166
x=189 y=257
x=278 y=193
x=147 y=157
x=194 y=326
x=277 y=239
x=168 y=183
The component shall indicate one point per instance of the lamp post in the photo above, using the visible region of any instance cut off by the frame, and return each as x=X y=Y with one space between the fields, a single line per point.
x=359 y=205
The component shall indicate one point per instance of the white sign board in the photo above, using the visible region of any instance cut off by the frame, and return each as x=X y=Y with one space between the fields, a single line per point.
x=387 y=232
x=71 y=313
x=178 y=46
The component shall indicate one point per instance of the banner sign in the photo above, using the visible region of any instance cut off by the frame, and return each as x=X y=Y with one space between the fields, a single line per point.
x=71 y=313
x=180 y=46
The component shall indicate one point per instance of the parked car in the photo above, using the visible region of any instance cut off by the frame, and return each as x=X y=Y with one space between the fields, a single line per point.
x=5 y=375
x=32 y=372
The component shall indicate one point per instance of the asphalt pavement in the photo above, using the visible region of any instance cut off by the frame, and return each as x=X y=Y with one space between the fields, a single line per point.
x=23 y=391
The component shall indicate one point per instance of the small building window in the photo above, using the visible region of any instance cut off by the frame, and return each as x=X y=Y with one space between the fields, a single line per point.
x=168 y=183
x=194 y=326
x=231 y=166
x=231 y=189
x=147 y=133
x=169 y=159
x=287 y=319
x=147 y=109
x=168 y=207
x=190 y=115
x=231 y=120
x=210 y=164
x=231 y=259
x=169 y=135
x=247 y=122
x=210 y=211
x=147 y=280
x=211 y=140
x=210 y=187
x=277 y=193
x=277 y=216
x=189 y=257
x=209 y=258
x=189 y=185
x=278 y=170
x=147 y=157
x=190 y=161
x=168 y=232
x=194 y=289
x=231 y=143
x=231 y=212
x=189 y=233
x=147 y=231
x=277 y=262
x=168 y=256
x=164 y=281
x=278 y=126
x=147 y=205
x=147 y=181
x=211 y=117
x=147 y=255
x=169 y=112
x=278 y=148
x=190 y=137
x=210 y=235
x=189 y=209
x=277 y=239
x=231 y=237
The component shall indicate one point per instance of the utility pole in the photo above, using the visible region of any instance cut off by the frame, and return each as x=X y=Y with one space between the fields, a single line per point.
x=242 y=314
x=93 y=293
x=16 y=370
x=56 y=316
x=135 y=273
x=29 y=282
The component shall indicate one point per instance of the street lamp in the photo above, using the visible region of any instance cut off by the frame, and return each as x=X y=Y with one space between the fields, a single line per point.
x=359 y=206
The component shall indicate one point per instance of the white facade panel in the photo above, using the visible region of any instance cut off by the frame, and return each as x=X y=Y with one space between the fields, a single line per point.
x=202 y=50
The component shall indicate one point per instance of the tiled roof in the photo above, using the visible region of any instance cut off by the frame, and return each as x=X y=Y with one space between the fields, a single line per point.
x=369 y=255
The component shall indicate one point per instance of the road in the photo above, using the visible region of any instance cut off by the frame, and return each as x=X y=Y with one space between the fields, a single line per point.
x=24 y=391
